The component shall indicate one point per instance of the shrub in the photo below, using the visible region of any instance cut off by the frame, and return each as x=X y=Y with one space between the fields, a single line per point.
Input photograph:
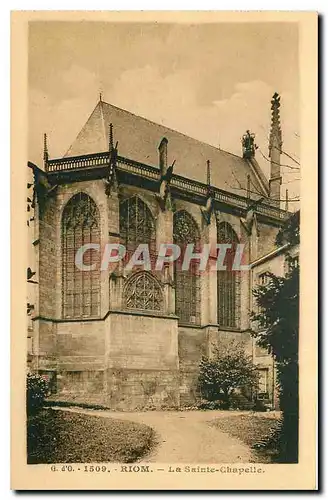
x=37 y=389
x=230 y=368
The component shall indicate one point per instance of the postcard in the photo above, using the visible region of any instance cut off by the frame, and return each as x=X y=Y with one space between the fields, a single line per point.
x=164 y=250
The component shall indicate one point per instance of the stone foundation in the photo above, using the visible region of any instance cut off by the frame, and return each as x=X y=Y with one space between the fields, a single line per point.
x=129 y=362
x=139 y=389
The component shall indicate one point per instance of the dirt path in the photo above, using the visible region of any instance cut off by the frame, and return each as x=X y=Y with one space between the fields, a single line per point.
x=185 y=437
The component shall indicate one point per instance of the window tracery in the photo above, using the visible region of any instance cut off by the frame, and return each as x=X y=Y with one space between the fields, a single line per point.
x=136 y=224
x=143 y=292
x=187 y=282
x=80 y=289
x=228 y=294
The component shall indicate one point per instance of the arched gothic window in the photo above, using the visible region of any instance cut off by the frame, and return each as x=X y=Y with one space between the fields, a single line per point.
x=228 y=280
x=143 y=292
x=187 y=284
x=80 y=289
x=137 y=225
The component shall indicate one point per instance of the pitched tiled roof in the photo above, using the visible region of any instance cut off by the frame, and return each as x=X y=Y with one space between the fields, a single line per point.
x=139 y=138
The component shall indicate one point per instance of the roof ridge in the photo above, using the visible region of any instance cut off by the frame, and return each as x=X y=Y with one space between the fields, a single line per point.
x=173 y=130
x=102 y=119
x=93 y=138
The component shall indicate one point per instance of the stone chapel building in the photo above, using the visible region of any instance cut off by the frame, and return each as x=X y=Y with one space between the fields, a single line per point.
x=132 y=339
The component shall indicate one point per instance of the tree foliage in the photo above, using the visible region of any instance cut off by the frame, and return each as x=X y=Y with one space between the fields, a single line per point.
x=278 y=331
x=290 y=231
x=278 y=316
x=37 y=389
x=229 y=368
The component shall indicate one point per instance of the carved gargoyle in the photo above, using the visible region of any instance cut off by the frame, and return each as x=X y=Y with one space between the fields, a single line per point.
x=208 y=210
x=250 y=216
x=164 y=197
x=248 y=221
x=43 y=189
x=111 y=179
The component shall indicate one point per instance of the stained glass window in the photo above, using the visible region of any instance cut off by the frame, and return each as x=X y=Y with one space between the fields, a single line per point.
x=187 y=283
x=143 y=292
x=137 y=225
x=80 y=289
x=228 y=280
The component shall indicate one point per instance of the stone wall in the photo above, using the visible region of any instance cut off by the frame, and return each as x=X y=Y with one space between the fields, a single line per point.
x=47 y=248
x=129 y=360
x=79 y=383
x=71 y=345
x=137 y=389
x=138 y=342
x=192 y=346
x=266 y=240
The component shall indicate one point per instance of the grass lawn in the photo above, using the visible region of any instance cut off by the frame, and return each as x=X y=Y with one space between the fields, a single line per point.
x=251 y=428
x=55 y=436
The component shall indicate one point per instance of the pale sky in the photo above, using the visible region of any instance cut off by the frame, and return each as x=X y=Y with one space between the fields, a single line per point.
x=210 y=81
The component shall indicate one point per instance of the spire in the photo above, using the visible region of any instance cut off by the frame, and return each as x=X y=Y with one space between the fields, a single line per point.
x=100 y=96
x=45 y=151
x=275 y=132
x=208 y=172
x=275 y=144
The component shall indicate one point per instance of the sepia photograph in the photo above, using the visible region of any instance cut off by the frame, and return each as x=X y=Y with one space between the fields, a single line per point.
x=163 y=200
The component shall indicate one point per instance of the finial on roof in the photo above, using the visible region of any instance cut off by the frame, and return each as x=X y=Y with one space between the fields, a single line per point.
x=249 y=146
x=208 y=172
x=111 y=140
x=45 y=149
x=100 y=96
